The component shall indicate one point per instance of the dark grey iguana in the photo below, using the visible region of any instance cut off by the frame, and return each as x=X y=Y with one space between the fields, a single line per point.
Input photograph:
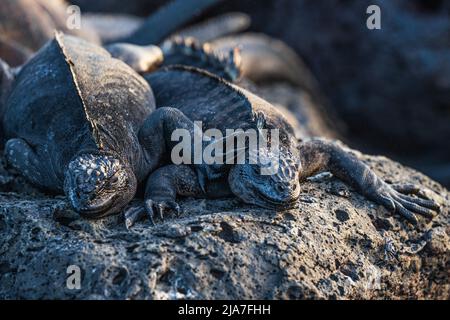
x=72 y=119
x=190 y=94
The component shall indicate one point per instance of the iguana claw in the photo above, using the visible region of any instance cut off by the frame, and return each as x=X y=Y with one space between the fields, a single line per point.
x=396 y=199
x=161 y=208
x=134 y=214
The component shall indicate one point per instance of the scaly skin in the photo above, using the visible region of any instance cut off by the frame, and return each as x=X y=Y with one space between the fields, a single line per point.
x=196 y=95
x=59 y=136
x=84 y=139
x=192 y=53
x=77 y=130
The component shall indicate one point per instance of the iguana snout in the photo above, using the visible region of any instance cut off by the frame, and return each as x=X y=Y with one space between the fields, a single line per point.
x=99 y=185
x=274 y=191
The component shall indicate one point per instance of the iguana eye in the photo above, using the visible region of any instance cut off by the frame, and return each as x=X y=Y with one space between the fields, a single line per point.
x=114 y=179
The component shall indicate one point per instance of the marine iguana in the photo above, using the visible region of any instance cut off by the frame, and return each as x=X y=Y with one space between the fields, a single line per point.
x=72 y=119
x=197 y=95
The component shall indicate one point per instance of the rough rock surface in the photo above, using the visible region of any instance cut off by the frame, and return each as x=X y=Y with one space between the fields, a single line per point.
x=332 y=246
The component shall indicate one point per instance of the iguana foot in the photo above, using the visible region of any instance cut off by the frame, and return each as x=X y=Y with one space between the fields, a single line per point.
x=396 y=199
x=409 y=188
x=150 y=209
x=134 y=214
x=390 y=252
x=162 y=208
x=22 y=158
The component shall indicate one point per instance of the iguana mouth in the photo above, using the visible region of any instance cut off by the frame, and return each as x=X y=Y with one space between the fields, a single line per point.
x=98 y=210
x=271 y=203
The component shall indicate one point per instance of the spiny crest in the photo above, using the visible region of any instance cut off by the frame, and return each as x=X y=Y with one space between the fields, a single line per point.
x=227 y=65
x=288 y=163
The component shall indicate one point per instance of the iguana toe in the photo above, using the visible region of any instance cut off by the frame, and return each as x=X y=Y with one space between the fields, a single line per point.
x=161 y=208
x=421 y=205
x=406 y=188
x=421 y=193
x=134 y=214
x=393 y=198
x=427 y=203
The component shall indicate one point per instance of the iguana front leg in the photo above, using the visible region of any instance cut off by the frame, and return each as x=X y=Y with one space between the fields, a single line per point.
x=21 y=156
x=155 y=138
x=165 y=185
x=322 y=155
x=6 y=80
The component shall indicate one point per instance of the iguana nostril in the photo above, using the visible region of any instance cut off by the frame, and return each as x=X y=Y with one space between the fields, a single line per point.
x=79 y=180
x=281 y=187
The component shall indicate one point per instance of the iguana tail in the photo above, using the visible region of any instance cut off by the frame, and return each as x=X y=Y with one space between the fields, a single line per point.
x=167 y=20
x=14 y=53
x=6 y=80
x=216 y=27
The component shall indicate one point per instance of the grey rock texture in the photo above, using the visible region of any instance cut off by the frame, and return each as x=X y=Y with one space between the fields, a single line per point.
x=332 y=246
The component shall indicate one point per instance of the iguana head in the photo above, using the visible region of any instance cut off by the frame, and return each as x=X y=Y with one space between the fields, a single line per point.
x=99 y=185
x=273 y=182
